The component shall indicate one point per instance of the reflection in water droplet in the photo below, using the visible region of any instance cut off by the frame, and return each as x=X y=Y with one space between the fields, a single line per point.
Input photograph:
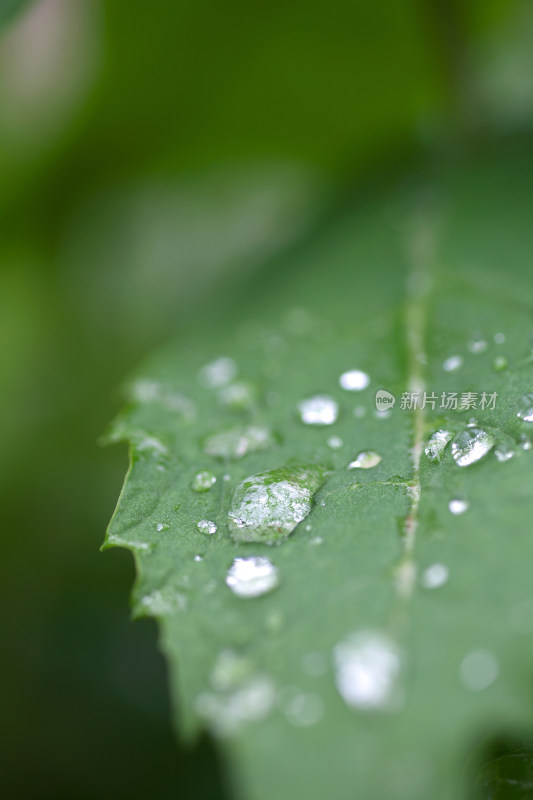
x=366 y=459
x=203 y=481
x=479 y=669
x=435 y=576
x=471 y=445
x=525 y=410
x=239 y=396
x=452 y=364
x=367 y=667
x=318 y=410
x=302 y=709
x=458 y=506
x=207 y=526
x=500 y=363
x=354 y=380
x=218 y=373
x=499 y=338
x=268 y=506
x=335 y=442
x=238 y=442
x=477 y=346
x=437 y=444
x=252 y=577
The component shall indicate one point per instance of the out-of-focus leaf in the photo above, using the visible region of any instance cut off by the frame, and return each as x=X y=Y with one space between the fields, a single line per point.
x=395 y=293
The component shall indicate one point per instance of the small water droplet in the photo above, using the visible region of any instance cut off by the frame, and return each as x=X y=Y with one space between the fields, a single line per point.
x=479 y=669
x=228 y=711
x=161 y=526
x=499 y=338
x=198 y=558
x=458 y=506
x=152 y=444
x=354 y=380
x=367 y=667
x=505 y=449
x=437 y=444
x=382 y=413
x=471 y=445
x=366 y=459
x=218 y=373
x=359 y=412
x=335 y=442
x=525 y=410
x=452 y=364
x=268 y=506
x=477 y=346
x=239 y=396
x=316 y=540
x=435 y=576
x=302 y=709
x=318 y=410
x=207 y=526
x=525 y=442
x=252 y=577
x=235 y=443
x=203 y=481
x=500 y=363
x=308 y=527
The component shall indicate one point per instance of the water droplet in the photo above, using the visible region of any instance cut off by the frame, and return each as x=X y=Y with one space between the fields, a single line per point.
x=354 y=380
x=229 y=711
x=316 y=540
x=525 y=442
x=452 y=364
x=437 y=444
x=525 y=411
x=162 y=526
x=203 y=481
x=239 y=396
x=230 y=670
x=207 y=526
x=335 y=442
x=471 y=445
x=382 y=413
x=499 y=338
x=458 y=506
x=238 y=442
x=302 y=709
x=479 y=669
x=268 y=506
x=477 y=346
x=198 y=558
x=435 y=576
x=315 y=664
x=318 y=410
x=218 y=373
x=359 y=412
x=500 y=363
x=252 y=577
x=505 y=449
x=366 y=459
x=367 y=667
x=152 y=444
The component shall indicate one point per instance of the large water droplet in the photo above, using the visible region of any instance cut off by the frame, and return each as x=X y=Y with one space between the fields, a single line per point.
x=207 y=526
x=354 y=380
x=237 y=442
x=437 y=444
x=318 y=410
x=367 y=668
x=268 y=506
x=218 y=373
x=525 y=410
x=471 y=445
x=452 y=364
x=252 y=577
x=203 y=481
x=366 y=459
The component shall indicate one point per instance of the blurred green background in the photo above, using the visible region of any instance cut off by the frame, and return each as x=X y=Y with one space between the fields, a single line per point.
x=150 y=154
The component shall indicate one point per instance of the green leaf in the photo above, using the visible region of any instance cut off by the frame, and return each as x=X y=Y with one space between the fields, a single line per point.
x=8 y=9
x=352 y=677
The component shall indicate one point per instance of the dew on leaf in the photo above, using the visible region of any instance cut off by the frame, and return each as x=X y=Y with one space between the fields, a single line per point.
x=359 y=412
x=382 y=413
x=239 y=396
x=354 y=380
x=335 y=442
x=434 y=576
x=505 y=449
x=161 y=526
x=218 y=373
x=437 y=444
x=252 y=577
x=500 y=363
x=499 y=338
x=367 y=667
x=458 y=506
x=207 y=526
x=235 y=443
x=525 y=411
x=478 y=670
x=452 y=364
x=525 y=442
x=268 y=506
x=366 y=459
x=471 y=445
x=150 y=443
x=318 y=410
x=198 y=558
x=477 y=346
x=230 y=711
x=203 y=481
